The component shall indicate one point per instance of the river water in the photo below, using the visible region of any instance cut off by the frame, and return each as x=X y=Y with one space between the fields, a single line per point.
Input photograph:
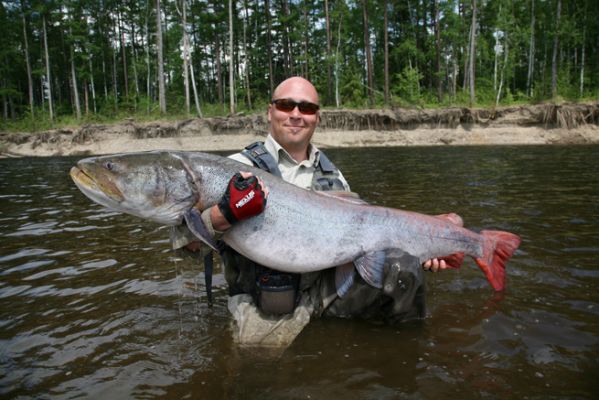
x=94 y=305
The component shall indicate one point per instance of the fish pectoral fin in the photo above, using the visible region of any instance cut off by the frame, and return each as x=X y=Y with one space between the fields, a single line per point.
x=193 y=218
x=344 y=278
x=371 y=267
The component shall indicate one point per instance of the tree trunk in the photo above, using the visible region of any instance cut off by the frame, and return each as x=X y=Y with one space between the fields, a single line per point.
x=455 y=74
x=581 y=93
x=472 y=58
x=195 y=91
x=467 y=62
x=247 y=57
x=329 y=69
x=306 y=64
x=505 y=60
x=496 y=58
x=438 y=53
x=271 y=78
x=531 y=52
x=74 y=82
x=104 y=76
x=148 y=65
x=287 y=43
x=85 y=97
x=115 y=88
x=92 y=84
x=4 y=100
x=386 y=51
x=370 y=80
x=48 y=77
x=219 y=81
x=124 y=52
x=134 y=64
x=4 y=103
x=161 y=87
x=337 y=56
x=27 y=63
x=185 y=56
x=555 y=50
x=231 y=66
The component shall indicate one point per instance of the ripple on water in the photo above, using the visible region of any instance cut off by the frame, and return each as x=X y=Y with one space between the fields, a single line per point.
x=9 y=291
x=23 y=253
x=28 y=266
x=36 y=229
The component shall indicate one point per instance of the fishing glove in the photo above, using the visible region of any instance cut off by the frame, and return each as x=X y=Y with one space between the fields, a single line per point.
x=243 y=198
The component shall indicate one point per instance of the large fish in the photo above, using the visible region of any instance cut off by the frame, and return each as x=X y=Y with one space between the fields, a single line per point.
x=299 y=231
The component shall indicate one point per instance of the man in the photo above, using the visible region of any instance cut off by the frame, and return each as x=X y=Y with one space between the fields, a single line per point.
x=293 y=116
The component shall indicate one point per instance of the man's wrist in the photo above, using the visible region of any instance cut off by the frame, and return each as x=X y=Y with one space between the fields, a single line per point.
x=219 y=222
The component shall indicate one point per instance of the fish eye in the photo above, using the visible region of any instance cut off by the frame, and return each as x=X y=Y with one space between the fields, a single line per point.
x=109 y=165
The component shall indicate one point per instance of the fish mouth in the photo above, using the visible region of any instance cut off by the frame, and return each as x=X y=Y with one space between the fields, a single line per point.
x=81 y=178
x=94 y=187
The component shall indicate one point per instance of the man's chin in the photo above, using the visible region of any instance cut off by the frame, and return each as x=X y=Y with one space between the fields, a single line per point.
x=296 y=130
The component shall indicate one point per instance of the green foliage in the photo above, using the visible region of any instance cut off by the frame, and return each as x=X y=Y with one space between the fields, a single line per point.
x=352 y=92
x=408 y=86
x=297 y=45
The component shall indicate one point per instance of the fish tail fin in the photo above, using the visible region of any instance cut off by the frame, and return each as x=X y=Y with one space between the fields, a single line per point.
x=498 y=248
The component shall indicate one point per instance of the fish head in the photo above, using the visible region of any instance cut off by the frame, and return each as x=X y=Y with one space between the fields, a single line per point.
x=150 y=185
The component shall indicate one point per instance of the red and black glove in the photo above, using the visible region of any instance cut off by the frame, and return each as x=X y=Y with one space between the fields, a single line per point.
x=243 y=198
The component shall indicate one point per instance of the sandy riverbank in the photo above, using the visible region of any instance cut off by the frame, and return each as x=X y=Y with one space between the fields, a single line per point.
x=530 y=125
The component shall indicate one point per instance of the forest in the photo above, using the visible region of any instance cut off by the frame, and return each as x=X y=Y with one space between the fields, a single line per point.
x=98 y=60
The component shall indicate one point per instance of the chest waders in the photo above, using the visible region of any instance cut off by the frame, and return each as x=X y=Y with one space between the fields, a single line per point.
x=274 y=292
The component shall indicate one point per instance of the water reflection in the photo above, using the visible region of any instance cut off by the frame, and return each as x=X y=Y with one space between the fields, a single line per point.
x=93 y=304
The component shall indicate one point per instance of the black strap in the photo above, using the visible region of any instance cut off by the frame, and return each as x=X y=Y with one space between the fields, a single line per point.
x=257 y=154
x=208 y=267
x=325 y=165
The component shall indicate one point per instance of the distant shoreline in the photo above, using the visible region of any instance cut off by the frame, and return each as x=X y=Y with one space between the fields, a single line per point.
x=526 y=125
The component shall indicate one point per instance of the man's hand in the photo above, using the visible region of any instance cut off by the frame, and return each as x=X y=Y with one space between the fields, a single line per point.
x=245 y=197
x=455 y=260
x=434 y=265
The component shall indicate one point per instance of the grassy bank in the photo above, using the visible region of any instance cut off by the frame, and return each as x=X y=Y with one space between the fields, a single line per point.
x=40 y=121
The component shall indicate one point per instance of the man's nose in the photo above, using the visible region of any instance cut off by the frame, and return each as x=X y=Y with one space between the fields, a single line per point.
x=295 y=113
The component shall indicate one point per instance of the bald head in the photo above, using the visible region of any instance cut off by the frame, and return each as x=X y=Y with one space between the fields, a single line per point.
x=293 y=129
x=296 y=84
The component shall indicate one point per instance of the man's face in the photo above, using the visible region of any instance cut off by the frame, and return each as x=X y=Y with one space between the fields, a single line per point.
x=293 y=129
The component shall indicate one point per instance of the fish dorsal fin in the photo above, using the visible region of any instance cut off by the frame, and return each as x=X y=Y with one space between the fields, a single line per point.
x=195 y=224
x=371 y=267
x=350 y=197
x=344 y=278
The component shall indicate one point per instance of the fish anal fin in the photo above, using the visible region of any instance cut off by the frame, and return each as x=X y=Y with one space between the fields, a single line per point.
x=454 y=261
x=193 y=218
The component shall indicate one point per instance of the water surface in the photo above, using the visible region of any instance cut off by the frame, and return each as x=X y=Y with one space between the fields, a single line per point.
x=93 y=303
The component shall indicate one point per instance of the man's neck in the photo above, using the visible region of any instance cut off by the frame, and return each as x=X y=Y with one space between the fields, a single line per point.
x=298 y=155
x=297 y=151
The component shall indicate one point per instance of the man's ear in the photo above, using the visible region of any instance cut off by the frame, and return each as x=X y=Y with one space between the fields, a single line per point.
x=268 y=112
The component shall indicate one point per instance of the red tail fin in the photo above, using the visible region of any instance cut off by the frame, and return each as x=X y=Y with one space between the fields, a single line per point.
x=498 y=248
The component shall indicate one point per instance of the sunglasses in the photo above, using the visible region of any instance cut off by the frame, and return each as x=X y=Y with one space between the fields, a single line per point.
x=287 y=105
